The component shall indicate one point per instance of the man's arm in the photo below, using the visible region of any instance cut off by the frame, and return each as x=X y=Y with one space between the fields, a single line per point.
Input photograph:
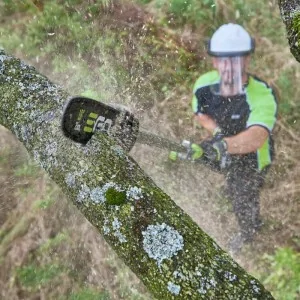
x=247 y=141
x=206 y=122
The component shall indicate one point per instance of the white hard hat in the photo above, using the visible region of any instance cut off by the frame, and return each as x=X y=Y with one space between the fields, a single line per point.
x=230 y=40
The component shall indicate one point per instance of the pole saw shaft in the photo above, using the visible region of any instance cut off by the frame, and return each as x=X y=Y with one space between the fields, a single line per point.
x=151 y=139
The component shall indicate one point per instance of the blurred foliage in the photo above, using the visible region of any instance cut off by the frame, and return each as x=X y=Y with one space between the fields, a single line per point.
x=284 y=274
x=189 y=11
x=52 y=193
x=97 y=56
x=88 y=294
x=209 y=14
x=33 y=277
x=54 y=242
x=9 y=7
x=27 y=169
x=288 y=105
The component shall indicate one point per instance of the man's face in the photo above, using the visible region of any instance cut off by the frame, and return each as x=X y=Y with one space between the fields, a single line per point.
x=232 y=71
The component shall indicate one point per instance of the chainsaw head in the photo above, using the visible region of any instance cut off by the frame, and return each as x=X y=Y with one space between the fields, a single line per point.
x=83 y=116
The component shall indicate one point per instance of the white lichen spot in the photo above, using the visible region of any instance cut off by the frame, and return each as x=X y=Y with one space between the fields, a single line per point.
x=118 y=150
x=130 y=164
x=39 y=131
x=83 y=169
x=26 y=132
x=174 y=288
x=106 y=229
x=70 y=180
x=161 y=242
x=51 y=149
x=212 y=282
x=116 y=225
x=256 y=289
x=216 y=246
x=289 y=13
x=201 y=291
x=94 y=146
x=40 y=117
x=83 y=193
x=36 y=156
x=134 y=193
x=50 y=153
x=230 y=276
x=206 y=284
x=179 y=275
x=120 y=236
x=294 y=11
x=97 y=195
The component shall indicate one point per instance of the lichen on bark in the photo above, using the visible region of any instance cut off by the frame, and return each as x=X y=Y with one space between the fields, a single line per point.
x=290 y=14
x=163 y=246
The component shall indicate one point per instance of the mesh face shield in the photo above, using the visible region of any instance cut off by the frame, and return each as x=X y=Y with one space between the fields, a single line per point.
x=231 y=70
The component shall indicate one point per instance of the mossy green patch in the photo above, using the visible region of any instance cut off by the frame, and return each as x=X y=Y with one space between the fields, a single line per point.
x=114 y=197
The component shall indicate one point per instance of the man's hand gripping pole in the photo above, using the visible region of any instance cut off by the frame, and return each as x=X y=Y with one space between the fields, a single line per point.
x=192 y=153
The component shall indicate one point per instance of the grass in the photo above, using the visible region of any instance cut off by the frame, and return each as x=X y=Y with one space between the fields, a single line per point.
x=33 y=277
x=4 y=156
x=284 y=274
x=19 y=229
x=88 y=294
x=54 y=242
x=287 y=106
x=48 y=198
x=27 y=169
x=92 y=54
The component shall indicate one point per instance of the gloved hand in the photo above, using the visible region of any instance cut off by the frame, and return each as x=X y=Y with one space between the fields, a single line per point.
x=217 y=133
x=193 y=152
x=215 y=150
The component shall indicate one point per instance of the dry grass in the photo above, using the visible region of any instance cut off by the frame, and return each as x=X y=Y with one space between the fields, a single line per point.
x=29 y=226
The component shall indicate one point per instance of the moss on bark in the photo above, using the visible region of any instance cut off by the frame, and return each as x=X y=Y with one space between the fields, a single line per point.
x=290 y=14
x=163 y=246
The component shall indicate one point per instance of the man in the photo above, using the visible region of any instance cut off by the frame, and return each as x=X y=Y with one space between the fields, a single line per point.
x=239 y=110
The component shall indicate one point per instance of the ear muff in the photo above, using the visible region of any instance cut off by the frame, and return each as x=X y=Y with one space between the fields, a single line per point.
x=253 y=44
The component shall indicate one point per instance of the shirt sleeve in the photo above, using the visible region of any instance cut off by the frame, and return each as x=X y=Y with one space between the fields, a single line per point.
x=263 y=106
x=204 y=80
x=196 y=105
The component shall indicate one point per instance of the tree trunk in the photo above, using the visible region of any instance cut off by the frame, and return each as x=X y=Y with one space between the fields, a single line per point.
x=290 y=14
x=173 y=257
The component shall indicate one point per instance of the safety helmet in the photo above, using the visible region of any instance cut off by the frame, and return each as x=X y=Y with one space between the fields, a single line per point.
x=230 y=40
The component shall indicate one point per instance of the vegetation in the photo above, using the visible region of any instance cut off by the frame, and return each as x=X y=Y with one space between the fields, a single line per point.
x=151 y=51
x=284 y=274
x=33 y=277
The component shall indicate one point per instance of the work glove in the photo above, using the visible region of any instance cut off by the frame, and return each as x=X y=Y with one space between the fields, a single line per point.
x=217 y=133
x=215 y=150
x=193 y=152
